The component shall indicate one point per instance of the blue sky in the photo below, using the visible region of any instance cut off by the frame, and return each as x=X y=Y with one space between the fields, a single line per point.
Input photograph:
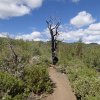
x=25 y=19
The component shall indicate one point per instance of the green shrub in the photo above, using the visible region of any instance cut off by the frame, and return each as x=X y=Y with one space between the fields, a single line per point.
x=37 y=79
x=84 y=80
x=10 y=85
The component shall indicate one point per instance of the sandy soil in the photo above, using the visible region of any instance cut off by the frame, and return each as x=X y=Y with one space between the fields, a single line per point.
x=63 y=89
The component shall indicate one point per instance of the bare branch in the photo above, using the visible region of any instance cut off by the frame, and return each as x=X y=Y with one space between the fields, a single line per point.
x=14 y=57
x=53 y=28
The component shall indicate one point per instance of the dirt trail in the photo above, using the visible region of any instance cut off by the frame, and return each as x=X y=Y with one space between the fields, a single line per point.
x=63 y=89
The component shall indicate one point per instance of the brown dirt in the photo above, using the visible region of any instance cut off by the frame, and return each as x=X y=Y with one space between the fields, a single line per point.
x=63 y=89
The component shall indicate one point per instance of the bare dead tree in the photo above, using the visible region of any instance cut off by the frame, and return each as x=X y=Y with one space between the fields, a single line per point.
x=14 y=55
x=53 y=28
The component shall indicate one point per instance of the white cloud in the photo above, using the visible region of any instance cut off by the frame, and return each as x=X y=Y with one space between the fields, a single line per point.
x=72 y=36
x=40 y=39
x=33 y=3
x=35 y=36
x=82 y=19
x=75 y=1
x=3 y=34
x=11 y=8
x=88 y=35
x=30 y=37
x=95 y=27
x=92 y=39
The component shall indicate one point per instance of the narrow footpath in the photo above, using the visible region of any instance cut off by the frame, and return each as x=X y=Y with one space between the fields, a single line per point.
x=63 y=89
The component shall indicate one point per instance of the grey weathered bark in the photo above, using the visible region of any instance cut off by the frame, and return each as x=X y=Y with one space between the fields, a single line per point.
x=14 y=55
x=53 y=28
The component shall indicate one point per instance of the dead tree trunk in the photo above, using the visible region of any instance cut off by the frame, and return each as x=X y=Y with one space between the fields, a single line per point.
x=14 y=55
x=54 y=33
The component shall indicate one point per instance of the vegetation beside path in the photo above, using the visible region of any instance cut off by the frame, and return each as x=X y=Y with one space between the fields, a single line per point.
x=19 y=81
x=81 y=62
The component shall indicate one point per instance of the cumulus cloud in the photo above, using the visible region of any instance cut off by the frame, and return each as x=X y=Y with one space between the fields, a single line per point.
x=32 y=36
x=11 y=8
x=95 y=27
x=82 y=19
x=91 y=34
x=3 y=34
x=92 y=39
x=72 y=36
